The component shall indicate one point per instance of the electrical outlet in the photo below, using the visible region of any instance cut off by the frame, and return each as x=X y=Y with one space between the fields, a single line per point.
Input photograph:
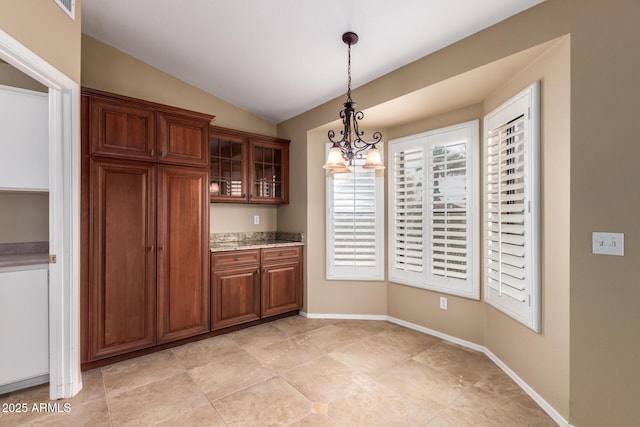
x=443 y=303
x=256 y=219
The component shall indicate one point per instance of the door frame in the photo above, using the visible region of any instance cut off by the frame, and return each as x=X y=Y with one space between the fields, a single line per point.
x=65 y=379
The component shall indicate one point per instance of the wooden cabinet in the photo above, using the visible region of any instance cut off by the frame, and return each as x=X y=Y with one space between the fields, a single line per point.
x=235 y=288
x=145 y=224
x=281 y=283
x=248 y=168
x=251 y=284
x=133 y=129
x=183 y=253
x=122 y=295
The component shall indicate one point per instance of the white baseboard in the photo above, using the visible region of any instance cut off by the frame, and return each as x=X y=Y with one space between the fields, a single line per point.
x=19 y=385
x=555 y=415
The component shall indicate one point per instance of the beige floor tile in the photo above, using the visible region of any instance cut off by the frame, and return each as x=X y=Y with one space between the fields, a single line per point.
x=370 y=355
x=20 y=409
x=424 y=385
x=478 y=408
x=285 y=355
x=94 y=413
x=229 y=373
x=270 y=403
x=202 y=352
x=329 y=338
x=325 y=379
x=155 y=402
x=366 y=328
x=501 y=386
x=204 y=416
x=467 y=364
x=92 y=388
x=295 y=325
x=315 y=420
x=377 y=406
x=407 y=340
x=133 y=373
x=258 y=336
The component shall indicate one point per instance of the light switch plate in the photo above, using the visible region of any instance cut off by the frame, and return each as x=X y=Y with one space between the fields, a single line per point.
x=608 y=243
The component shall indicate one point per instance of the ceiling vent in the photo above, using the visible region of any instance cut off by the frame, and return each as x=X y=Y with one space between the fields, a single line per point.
x=69 y=7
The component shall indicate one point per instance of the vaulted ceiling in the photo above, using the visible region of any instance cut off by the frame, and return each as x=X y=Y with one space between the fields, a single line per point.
x=279 y=58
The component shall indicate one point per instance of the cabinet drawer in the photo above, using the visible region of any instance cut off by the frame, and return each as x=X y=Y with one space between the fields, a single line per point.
x=275 y=254
x=227 y=259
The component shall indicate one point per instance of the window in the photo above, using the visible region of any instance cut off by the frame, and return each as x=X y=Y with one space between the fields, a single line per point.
x=434 y=210
x=511 y=208
x=355 y=224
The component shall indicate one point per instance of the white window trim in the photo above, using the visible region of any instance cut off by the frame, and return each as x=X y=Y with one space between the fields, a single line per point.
x=527 y=102
x=470 y=288
x=375 y=273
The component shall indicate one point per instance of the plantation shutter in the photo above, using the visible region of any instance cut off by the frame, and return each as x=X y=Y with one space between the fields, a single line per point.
x=355 y=234
x=406 y=228
x=511 y=208
x=434 y=210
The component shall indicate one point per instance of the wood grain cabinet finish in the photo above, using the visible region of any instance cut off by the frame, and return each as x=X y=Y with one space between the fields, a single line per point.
x=281 y=281
x=144 y=224
x=235 y=288
x=122 y=265
x=183 y=252
x=252 y=284
x=247 y=167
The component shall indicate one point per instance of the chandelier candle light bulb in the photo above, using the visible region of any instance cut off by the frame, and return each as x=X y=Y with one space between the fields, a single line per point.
x=351 y=145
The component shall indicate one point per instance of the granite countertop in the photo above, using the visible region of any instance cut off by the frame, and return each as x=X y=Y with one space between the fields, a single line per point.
x=22 y=254
x=239 y=241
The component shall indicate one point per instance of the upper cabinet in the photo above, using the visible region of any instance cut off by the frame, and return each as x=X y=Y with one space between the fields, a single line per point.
x=133 y=129
x=24 y=140
x=248 y=168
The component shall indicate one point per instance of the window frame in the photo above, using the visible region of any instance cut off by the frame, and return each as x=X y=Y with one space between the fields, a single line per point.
x=351 y=273
x=427 y=142
x=528 y=311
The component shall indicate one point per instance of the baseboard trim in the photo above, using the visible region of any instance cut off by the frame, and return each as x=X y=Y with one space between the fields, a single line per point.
x=7 y=388
x=555 y=415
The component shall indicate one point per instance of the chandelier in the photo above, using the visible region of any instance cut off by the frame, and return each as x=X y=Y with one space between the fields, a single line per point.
x=351 y=146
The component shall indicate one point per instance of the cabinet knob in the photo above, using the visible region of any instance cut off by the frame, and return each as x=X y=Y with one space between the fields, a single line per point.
x=153 y=152
x=161 y=248
x=163 y=154
x=236 y=259
x=151 y=248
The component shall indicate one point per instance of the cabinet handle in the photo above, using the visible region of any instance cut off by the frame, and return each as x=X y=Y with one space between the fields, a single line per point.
x=153 y=152
x=236 y=259
x=151 y=248
x=163 y=154
x=161 y=248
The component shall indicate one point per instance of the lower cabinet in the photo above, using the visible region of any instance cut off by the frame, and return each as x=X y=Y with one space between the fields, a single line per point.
x=251 y=284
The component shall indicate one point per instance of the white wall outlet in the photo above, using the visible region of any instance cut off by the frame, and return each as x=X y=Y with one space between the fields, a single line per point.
x=443 y=303
x=608 y=243
x=256 y=219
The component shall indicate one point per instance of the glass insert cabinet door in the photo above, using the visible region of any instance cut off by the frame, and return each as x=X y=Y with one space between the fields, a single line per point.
x=269 y=172
x=227 y=175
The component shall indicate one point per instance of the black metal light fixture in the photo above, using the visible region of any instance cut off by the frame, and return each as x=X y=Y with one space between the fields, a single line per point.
x=351 y=146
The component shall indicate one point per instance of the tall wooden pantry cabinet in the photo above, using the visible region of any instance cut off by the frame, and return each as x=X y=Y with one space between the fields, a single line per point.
x=144 y=224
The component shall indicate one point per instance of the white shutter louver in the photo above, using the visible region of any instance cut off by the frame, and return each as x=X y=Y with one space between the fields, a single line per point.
x=511 y=208
x=407 y=227
x=433 y=202
x=355 y=224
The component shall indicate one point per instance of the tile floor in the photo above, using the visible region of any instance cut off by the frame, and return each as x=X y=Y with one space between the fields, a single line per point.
x=296 y=372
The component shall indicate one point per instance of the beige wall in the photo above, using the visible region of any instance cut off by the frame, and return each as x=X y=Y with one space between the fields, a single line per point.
x=549 y=375
x=10 y=76
x=24 y=217
x=466 y=319
x=106 y=68
x=605 y=196
x=47 y=30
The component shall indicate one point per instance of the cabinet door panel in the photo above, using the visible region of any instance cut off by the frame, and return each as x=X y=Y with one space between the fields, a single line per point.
x=281 y=288
x=122 y=130
x=122 y=264
x=183 y=252
x=182 y=140
x=269 y=172
x=235 y=296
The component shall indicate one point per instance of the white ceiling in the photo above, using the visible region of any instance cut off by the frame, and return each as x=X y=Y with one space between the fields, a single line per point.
x=280 y=58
